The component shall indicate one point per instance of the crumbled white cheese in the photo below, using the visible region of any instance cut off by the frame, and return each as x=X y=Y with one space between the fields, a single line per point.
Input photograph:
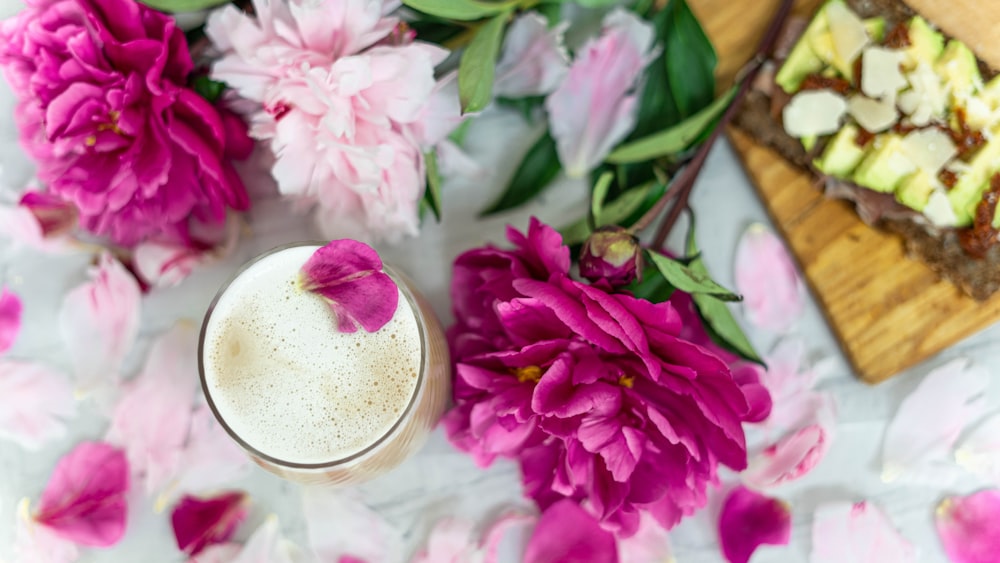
x=848 y=31
x=927 y=97
x=814 y=112
x=873 y=115
x=978 y=114
x=881 y=76
x=929 y=149
x=958 y=167
x=939 y=211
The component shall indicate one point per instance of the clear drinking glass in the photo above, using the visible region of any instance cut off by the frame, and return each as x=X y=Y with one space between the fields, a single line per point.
x=405 y=436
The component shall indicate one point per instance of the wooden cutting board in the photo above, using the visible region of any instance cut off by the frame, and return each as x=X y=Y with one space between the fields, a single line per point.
x=887 y=311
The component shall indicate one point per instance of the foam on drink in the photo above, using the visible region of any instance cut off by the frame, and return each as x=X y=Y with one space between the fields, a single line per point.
x=288 y=383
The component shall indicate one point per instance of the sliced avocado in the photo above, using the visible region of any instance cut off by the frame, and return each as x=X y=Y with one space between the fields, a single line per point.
x=926 y=45
x=885 y=166
x=957 y=67
x=991 y=92
x=802 y=61
x=915 y=191
x=973 y=182
x=808 y=142
x=842 y=154
x=875 y=27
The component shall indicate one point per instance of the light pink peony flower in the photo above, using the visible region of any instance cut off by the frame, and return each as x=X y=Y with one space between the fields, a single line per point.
x=341 y=97
x=534 y=60
x=594 y=108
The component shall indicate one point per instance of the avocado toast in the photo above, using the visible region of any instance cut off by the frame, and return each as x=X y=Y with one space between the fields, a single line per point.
x=895 y=116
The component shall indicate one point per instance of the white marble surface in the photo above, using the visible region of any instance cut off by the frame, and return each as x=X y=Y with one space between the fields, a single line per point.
x=440 y=481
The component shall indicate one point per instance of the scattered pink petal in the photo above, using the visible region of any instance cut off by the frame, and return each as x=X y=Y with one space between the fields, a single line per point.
x=917 y=446
x=567 y=533
x=773 y=295
x=650 y=544
x=969 y=526
x=218 y=553
x=339 y=524
x=489 y=545
x=84 y=501
x=10 y=318
x=19 y=225
x=979 y=453
x=54 y=216
x=153 y=415
x=348 y=274
x=99 y=321
x=38 y=544
x=593 y=109
x=790 y=458
x=750 y=520
x=534 y=60
x=451 y=541
x=267 y=545
x=859 y=533
x=790 y=383
x=35 y=401
x=201 y=522
x=166 y=265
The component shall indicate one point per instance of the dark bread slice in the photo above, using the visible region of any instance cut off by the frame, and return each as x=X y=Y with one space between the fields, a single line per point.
x=938 y=248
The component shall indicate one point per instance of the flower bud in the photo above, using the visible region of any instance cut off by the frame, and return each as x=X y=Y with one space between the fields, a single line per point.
x=613 y=254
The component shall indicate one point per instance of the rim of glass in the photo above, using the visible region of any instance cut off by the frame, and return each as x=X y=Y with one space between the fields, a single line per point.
x=421 y=324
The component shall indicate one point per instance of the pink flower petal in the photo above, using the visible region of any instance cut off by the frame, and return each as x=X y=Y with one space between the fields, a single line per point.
x=650 y=544
x=979 y=453
x=791 y=458
x=166 y=265
x=153 y=415
x=267 y=545
x=10 y=318
x=339 y=524
x=592 y=109
x=19 y=225
x=489 y=546
x=348 y=274
x=773 y=294
x=84 y=500
x=201 y=522
x=54 y=216
x=534 y=60
x=99 y=321
x=859 y=533
x=969 y=526
x=451 y=541
x=750 y=520
x=35 y=401
x=218 y=553
x=917 y=446
x=567 y=533
x=790 y=383
x=38 y=544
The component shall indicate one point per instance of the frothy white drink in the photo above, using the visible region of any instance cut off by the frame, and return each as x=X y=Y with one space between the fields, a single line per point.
x=288 y=383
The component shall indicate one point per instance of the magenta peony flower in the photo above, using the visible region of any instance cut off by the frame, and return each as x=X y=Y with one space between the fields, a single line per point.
x=105 y=111
x=596 y=394
x=341 y=97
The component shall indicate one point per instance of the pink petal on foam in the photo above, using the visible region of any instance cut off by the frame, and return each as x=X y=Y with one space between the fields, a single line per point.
x=84 y=501
x=857 y=532
x=99 y=321
x=790 y=458
x=969 y=526
x=917 y=446
x=35 y=401
x=201 y=522
x=348 y=274
x=153 y=414
x=773 y=295
x=10 y=318
x=567 y=533
x=750 y=520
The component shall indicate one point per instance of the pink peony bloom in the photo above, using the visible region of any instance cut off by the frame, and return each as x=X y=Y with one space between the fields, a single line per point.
x=595 y=393
x=534 y=60
x=592 y=110
x=341 y=98
x=105 y=111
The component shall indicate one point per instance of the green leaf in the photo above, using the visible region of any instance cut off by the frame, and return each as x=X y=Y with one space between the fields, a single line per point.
x=598 y=196
x=477 y=67
x=435 y=31
x=458 y=135
x=536 y=171
x=465 y=10
x=614 y=213
x=719 y=321
x=597 y=3
x=690 y=59
x=657 y=108
x=673 y=139
x=173 y=6
x=208 y=88
x=433 y=194
x=551 y=11
x=527 y=107
x=653 y=287
x=688 y=280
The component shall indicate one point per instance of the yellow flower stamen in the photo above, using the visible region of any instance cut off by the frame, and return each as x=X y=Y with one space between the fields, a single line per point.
x=626 y=381
x=529 y=373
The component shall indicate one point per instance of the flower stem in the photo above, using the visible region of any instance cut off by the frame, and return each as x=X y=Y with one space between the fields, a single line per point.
x=685 y=182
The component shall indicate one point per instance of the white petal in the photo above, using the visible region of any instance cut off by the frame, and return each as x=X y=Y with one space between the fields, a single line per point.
x=858 y=533
x=35 y=400
x=980 y=451
x=339 y=523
